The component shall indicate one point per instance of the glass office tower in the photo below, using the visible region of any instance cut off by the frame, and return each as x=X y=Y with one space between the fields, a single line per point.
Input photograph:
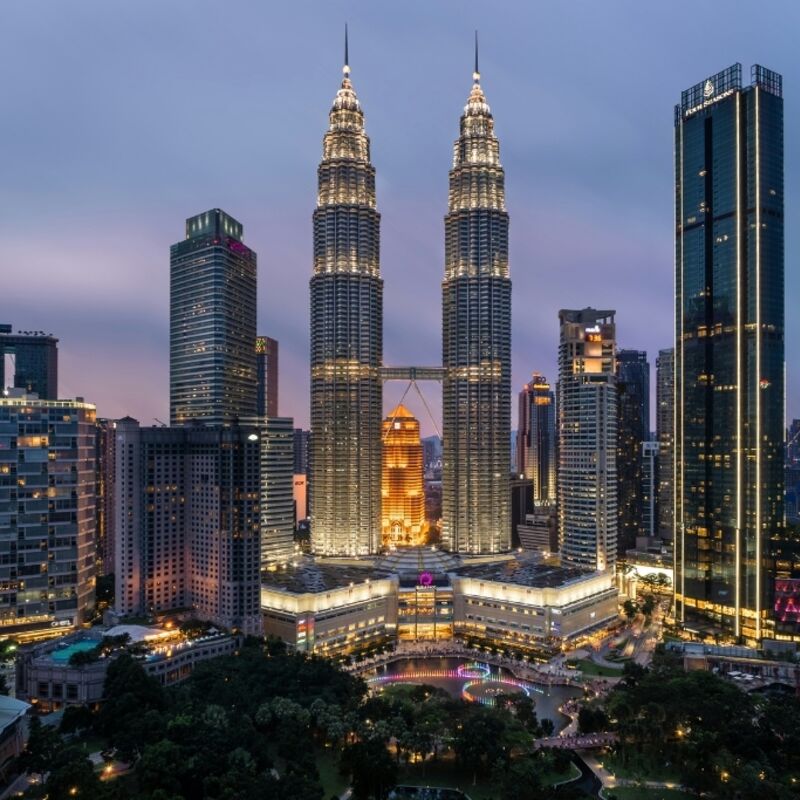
x=346 y=340
x=729 y=357
x=536 y=439
x=29 y=361
x=476 y=341
x=212 y=326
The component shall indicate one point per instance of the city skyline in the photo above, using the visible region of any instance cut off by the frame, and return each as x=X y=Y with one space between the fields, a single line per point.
x=564 y=249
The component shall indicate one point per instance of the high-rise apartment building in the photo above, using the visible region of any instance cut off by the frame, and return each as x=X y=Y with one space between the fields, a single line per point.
x=266 y=377
x=633 y=428
x=277 y=491
x=346 y=340
x=212 y=367
x=587 y=425
x=105 y=462
x=665 y=434
x=29 y=361
x=729 y=357
x=402 y=487
x=536 y=439
x=47 y=513
x=476 y=341
x=187 y=521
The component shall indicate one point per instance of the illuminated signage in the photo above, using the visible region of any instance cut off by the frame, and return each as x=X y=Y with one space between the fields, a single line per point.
x=787 y=600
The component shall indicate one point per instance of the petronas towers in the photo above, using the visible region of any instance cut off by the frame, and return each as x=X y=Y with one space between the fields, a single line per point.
x=347 y=341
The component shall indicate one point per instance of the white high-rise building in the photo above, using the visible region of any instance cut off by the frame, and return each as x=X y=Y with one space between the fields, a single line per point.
x=587 y=426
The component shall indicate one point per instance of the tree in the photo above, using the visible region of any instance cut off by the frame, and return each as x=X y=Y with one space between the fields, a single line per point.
x=648 y=605
x=372 y=770
x=547 y=726
x=630 y=609
x=76 y=718
x=43 y=745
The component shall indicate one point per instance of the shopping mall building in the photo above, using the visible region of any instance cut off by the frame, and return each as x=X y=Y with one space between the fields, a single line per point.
x=520 y=602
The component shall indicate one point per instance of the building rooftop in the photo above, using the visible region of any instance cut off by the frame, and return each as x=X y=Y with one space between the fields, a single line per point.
x=524 y=570
x=308 y=575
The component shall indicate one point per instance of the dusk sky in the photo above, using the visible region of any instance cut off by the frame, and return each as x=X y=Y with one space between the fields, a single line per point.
x=122 y=119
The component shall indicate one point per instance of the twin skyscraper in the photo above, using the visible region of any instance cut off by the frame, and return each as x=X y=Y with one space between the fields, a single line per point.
x=347 y=370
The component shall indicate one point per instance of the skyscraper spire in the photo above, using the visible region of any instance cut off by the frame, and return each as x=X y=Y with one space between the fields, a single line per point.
x=476 y=75
x=346 y=68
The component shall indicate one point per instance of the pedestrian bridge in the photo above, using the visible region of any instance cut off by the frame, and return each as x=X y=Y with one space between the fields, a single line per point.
x=583 y=741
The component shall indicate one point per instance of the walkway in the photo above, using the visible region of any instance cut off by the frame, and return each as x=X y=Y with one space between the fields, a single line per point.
x=610 y=781
x=584 y=741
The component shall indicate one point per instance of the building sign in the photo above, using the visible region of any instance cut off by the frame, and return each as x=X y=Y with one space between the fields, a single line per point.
x=425 y=579
x=787 y=600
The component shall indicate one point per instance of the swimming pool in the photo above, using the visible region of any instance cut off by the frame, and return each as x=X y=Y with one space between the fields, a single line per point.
x=63 y=654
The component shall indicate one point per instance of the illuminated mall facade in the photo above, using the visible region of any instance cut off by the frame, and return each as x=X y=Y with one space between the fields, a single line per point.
x=371 y=578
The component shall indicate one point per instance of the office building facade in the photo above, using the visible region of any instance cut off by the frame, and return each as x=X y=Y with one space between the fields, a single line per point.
x=266 y=377
x=476 y=341
x=47 y=514
x=587 y=424
x=277 y=492
x=105 y=462
x=665 y=434
x=536 y=439
x=729 y=357
x=346 y=340
x=29 y=362
x=212 y=367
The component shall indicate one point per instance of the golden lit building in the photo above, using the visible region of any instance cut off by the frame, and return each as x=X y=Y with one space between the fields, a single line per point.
x=402 y=490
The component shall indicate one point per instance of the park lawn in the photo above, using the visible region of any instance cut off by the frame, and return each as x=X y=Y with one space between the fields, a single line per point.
x=91 y=743
x=640 y=769
x=589 y=668
x=634 y=793
x=550 y=778
x=328 y=766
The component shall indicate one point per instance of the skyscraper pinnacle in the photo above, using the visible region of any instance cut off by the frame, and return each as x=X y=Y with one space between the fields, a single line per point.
x=476 y=75
x=346 y=68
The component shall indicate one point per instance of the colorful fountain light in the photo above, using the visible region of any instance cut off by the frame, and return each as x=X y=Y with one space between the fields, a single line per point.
x=474 y=673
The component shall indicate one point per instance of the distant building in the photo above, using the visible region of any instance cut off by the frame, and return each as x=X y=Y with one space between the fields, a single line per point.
x=29 y=361
x=539 y=530
x=729 y=358
x=536 y=439
x=277 y=491
x=47 y=514
x=587 y=424
x=300 y=496
x=266 y=377
x=301 y=451
x=187 y=521
x=212 y=364
x=633 y=428
x=105 y=461
x=402 y=489
x=665 y=434
x=649 y=490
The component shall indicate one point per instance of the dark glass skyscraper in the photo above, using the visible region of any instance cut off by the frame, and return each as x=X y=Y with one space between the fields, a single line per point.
x=476 y=341
x=212 y=367
x=536 y=439
x=346 y=340
x=633 y=428
x=29 y=361
x=729 y=357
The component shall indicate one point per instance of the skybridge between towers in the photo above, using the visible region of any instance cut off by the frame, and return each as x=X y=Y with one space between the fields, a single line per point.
x=412 y=374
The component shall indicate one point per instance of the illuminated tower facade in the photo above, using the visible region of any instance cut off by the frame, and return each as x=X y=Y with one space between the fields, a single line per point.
x=536 y=439
x=729 y=353
x=402 y=488
x=476 y=341
x=587 y=426
x=346 y=340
